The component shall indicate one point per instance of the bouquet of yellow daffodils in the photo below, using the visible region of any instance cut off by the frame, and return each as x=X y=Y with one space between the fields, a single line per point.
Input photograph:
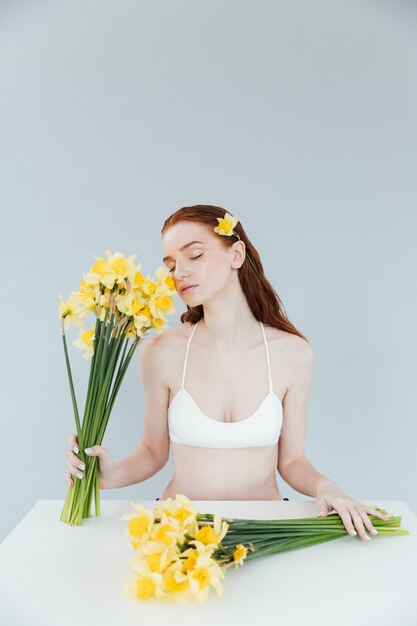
x=180 y=554
x=126 y=306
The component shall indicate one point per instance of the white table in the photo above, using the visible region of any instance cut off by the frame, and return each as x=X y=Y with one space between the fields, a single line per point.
x=53 y=574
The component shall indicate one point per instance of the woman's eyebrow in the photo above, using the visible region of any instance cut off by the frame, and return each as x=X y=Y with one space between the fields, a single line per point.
x=182 y=248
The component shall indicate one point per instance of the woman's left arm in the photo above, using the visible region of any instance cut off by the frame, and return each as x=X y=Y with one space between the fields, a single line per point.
x=293 y=465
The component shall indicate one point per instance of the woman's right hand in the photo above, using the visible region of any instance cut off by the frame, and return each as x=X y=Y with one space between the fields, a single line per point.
x=107 y=468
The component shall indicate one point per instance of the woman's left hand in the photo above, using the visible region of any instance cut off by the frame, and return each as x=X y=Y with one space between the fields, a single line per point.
x=352 y=512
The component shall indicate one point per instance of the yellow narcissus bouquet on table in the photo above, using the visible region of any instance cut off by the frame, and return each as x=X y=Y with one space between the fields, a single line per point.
x=126 y=306
x=181 y=554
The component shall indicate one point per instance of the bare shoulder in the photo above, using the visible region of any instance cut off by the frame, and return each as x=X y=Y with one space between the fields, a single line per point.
x=284 y=339
x=160 y=349
x=293 y=350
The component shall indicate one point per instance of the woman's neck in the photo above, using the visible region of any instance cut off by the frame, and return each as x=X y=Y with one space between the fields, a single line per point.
x=228 y=320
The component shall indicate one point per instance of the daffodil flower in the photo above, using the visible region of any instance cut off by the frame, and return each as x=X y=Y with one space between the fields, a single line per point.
x=226 y=225
x=70 y=311
x=85 y=341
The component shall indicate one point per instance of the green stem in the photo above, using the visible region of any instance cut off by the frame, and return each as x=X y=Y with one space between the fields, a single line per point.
x=98 y=416
x=291 y=544
x=92 y=396
x=116 y=387
x=73 y=398
x=104 y=361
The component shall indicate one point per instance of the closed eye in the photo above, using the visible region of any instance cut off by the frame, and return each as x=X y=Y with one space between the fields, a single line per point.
x=192 y=259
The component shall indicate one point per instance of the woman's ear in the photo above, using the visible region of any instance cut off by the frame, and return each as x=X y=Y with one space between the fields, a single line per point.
x=238 y=254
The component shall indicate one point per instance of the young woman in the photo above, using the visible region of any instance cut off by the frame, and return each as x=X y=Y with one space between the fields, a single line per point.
x=227 y=389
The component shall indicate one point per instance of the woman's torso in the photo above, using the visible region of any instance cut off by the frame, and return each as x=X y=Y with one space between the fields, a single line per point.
x=227 y=385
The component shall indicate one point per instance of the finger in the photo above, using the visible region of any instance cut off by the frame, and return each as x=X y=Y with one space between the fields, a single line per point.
x=72 y=457
x=96 y=451
x=372 y=511
x=73 y=443
x=346 y=519
x=359 y=523
x=75 y=461
x=366 y=521
x=69 y=479
x=75 y=471
x=346 y=516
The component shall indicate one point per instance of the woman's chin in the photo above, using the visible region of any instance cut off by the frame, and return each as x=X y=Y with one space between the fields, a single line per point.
x=191 y=300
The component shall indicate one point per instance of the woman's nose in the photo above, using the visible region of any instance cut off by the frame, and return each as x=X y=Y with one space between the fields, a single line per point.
x=181 y=272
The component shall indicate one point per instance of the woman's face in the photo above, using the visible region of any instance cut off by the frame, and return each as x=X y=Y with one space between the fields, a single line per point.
x=195 y=257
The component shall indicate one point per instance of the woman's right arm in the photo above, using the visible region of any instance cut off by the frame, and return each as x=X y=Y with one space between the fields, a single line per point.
x=152 y=453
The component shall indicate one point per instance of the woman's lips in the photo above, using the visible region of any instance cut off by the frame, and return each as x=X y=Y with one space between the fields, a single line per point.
x=189 y=289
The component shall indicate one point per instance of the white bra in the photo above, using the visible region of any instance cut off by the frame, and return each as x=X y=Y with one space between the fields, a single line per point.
x=189 y=426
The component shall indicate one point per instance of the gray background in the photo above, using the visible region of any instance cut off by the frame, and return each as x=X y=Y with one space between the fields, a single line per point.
x=298 y=117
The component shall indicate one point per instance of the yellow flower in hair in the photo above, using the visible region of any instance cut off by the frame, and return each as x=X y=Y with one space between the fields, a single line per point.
x=226 y=225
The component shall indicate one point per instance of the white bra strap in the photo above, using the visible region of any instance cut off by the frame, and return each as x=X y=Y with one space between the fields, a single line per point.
x=267 y=357
x=186 y=354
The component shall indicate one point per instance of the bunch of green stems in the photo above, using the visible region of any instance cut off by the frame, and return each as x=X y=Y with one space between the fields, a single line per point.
x=111 y=358
x=263 y=537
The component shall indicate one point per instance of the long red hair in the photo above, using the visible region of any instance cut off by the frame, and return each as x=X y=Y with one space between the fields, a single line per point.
x=262 y=298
